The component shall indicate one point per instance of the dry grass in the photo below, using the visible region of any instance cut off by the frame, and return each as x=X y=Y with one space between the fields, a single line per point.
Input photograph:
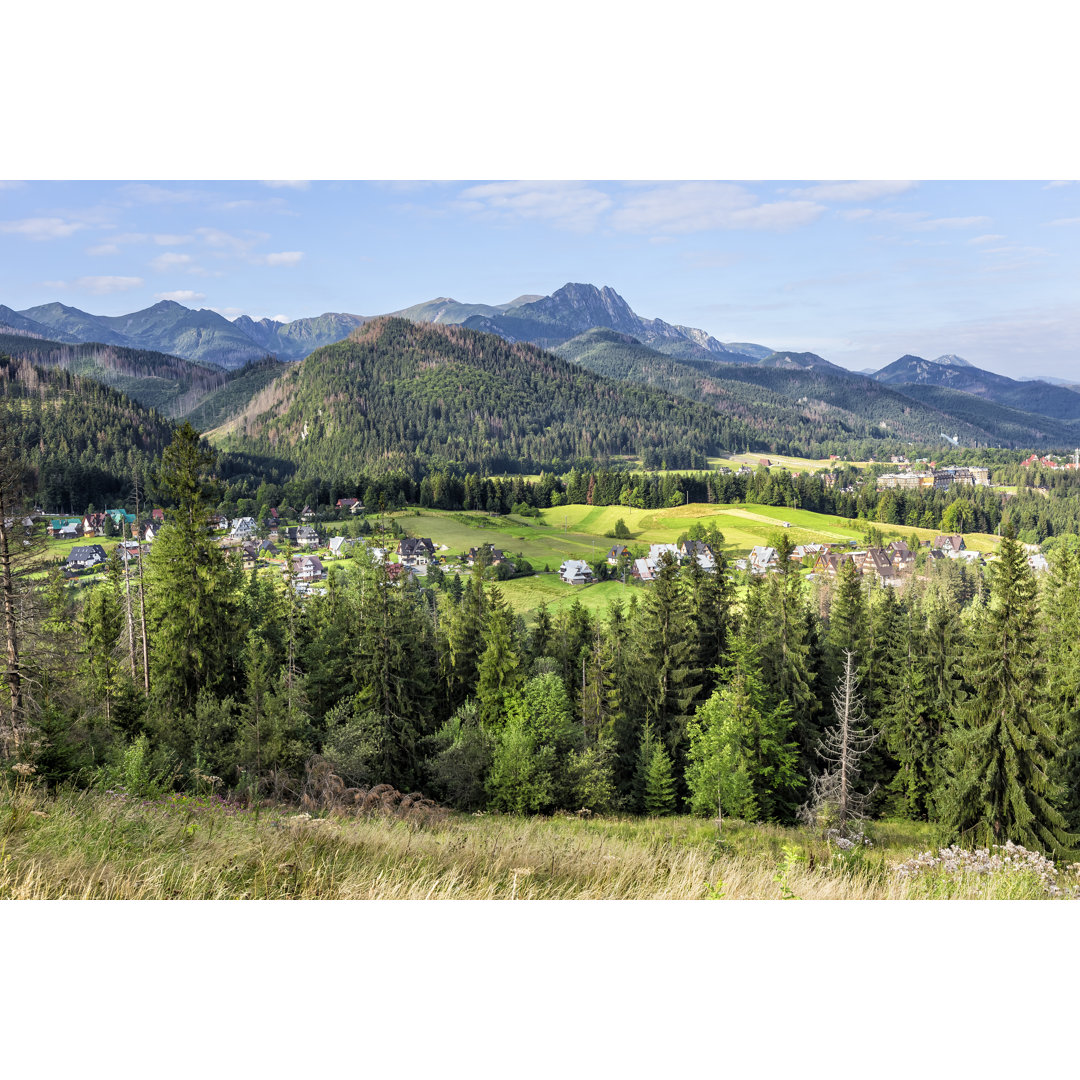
x=93 y=846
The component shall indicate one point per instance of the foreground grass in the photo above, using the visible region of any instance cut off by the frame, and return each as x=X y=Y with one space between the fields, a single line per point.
x=95 y=846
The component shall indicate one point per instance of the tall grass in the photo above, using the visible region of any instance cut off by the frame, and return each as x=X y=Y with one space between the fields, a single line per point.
x=94 y=846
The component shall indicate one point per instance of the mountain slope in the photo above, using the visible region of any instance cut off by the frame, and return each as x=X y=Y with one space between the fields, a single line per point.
x=81 y=439
x=812 y=410
x=171 y=385
x=398 y=394
x=66 y=323
x=1031 y=397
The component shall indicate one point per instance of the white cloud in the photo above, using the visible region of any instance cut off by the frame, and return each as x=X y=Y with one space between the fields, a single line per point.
x=698 y=206
x=100 y=286
x=103 y=249
x=155 y=194
x=918 y=220
x=227 y=242
x=1058 y=183
x=168 y=240
x=281 y=318
x=172 y=260
x=181 y=296
x=41 y=228
x=986 y=238
x=296 y=185
x=278 y=258
x=1066 y=221
x=853 y=190
x=565 y=204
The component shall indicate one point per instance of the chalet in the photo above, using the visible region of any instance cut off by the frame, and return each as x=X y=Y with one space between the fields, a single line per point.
x=934 y=554
x=657 y=550
x=698 y=551
x=643 y=570
x=148 y=531
x=307 y=537
x=307 y=514
x=576 y=572
x=158 y=515
x=879 y=564
x=829 y=562
x=1038 y=562
x=398 y=573
x=308 y=568
x=65 y=528
x=272 y=515
x=269 y=548
x=218 y=521
x=243 y=527
x=951 y=545
x=339 y=545
x=616 y=553
x=762 y=559
x=903 y=558
x=94 y=524
x=249 y=552
x=416 y=552
x=484 y=553
x=82 y=558
x=346 y=504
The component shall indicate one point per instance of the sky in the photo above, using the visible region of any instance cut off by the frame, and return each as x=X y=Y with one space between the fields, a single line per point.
x=860 y=272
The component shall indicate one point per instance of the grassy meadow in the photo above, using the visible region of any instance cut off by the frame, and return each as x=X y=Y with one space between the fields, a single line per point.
x=94 y=845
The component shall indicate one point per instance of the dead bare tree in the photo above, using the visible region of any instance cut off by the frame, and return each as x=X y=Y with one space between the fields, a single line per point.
x=834 y=799
x=142 y=596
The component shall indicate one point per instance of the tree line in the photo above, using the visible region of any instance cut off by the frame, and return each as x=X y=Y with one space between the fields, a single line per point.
x=954 y=700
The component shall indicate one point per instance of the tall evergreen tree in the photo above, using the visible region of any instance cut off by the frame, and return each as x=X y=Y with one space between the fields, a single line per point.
x=1000 y=754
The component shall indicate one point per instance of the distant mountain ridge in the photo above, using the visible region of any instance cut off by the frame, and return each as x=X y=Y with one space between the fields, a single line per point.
x=206 y=336
x=576 y=307
x=1042 y=398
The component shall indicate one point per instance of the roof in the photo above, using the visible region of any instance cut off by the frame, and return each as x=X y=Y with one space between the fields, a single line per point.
x=86 y=552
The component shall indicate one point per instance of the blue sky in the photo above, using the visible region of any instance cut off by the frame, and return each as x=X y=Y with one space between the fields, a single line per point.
x=860 y=272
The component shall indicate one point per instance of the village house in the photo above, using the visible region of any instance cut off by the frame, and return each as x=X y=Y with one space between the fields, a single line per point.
x=762 y=559
x=576 y=572
x=485 y=553
x=346 y=504
x=306 y=537
x=416 y=552
x=249 y=552
x=616 y=553
x=903 y=558
x=243 y=527
x=339 y=545
x=308 y=568
x=950 y=545
x=307 y=514
x=1038 y=562
x=878 y=563
x=65 y=528
x=82 y=558
x=656 y=550
x=269 y=548
x=643 y=570
x=698 y=551
x=217 y=522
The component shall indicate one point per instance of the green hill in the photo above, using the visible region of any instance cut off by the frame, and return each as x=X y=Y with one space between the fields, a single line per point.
x=81 y=439
x=397 y=394
x=176 y=388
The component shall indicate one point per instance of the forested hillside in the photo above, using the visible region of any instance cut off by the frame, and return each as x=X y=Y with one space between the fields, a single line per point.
x=173 y=386
x=402 y=395
x=81 y=442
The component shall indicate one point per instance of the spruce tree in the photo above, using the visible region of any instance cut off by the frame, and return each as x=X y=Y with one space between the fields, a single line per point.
x=742 y=752
x=499 y=670
x=1001 y=752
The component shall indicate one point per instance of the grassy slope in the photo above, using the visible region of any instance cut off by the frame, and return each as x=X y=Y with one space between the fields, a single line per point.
x=93 y=846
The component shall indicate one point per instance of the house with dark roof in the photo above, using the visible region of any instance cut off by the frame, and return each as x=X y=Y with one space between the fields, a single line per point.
x=698 y=551
x=308 y=568
x=416 y=551
x=616 y=553
x=339 y=545
x=85 y=557
x=951 y=545
x=306 y=536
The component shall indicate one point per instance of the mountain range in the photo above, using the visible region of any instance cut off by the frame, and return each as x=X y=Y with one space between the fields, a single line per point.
x=202 y=366
x=206 y=336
